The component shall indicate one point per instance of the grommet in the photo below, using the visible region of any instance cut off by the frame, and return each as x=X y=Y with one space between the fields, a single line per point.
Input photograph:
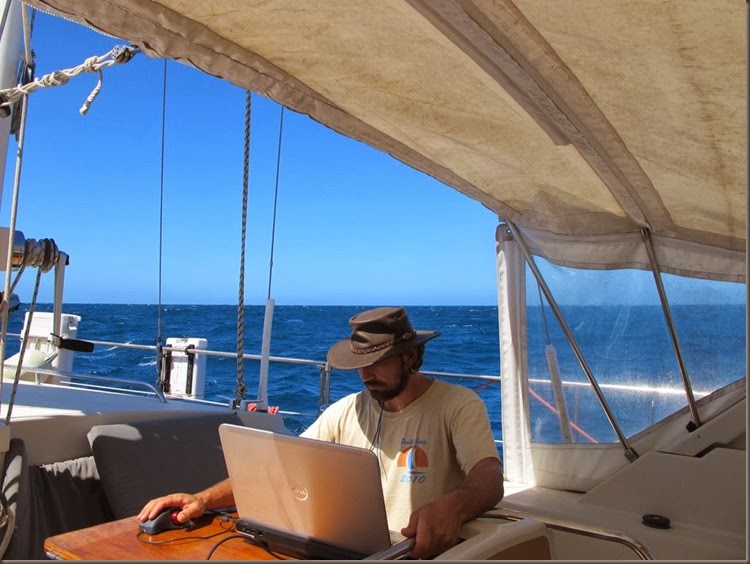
x=656 y=521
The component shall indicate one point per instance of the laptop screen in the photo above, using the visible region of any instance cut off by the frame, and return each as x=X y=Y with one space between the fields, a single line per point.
x=316 y=493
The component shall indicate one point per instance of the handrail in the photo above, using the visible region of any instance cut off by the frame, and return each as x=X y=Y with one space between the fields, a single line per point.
x=207 y=352
x=107 y=379
x=577 y=528
x=323 y=367
x=623 y=387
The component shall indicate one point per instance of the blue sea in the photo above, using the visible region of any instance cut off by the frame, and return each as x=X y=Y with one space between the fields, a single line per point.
x=621 y=344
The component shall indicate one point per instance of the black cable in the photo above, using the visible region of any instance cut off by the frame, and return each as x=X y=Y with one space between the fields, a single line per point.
x=222 y=541
x=225 y=518
x=375 y=443
x=248 y=538
x=189 y=538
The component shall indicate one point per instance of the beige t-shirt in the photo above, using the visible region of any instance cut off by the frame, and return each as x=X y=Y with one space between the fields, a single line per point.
x=425 y=450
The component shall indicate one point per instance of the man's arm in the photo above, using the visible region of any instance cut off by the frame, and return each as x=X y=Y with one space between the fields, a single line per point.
x=192 y=505
x=480 y=491
x=436 y=525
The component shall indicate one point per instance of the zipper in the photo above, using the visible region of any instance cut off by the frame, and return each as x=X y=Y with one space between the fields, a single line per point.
x=48 y=11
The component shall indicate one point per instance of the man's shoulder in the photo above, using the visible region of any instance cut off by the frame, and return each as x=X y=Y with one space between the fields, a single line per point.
x=448 y=388
x=332 y=417
x=348 y=401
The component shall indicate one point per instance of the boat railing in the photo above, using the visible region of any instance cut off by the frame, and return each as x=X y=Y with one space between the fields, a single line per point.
x=93 y=381
x=80 y=379
x=573 y=527
x=125 y=385
x=321 y=365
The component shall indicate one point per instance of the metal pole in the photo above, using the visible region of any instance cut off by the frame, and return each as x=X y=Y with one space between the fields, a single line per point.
x=264 y=357
x=630 y=453
x=62 y=262
x=696 y=422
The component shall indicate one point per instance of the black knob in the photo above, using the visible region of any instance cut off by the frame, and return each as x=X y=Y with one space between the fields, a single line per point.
x=656 y=521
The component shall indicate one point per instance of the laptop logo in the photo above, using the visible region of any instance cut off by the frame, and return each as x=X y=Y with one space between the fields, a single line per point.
x=299 y=492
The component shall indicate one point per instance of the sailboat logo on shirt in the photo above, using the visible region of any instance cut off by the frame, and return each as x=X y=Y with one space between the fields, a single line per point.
x=413 y=457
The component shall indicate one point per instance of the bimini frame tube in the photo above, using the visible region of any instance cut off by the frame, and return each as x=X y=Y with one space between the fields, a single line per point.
x=672 y=333
x=630 y=453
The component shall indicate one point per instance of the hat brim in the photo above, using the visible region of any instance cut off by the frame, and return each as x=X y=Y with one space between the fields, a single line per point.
x=341 y=356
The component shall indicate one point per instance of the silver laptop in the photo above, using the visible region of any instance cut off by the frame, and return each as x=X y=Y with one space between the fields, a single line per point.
x=307 y=498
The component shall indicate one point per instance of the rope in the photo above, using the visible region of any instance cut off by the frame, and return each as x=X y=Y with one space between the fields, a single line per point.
x=551 y=407
x=159 y=349
x=94 y=93
x=240 y=388
x=118 y=55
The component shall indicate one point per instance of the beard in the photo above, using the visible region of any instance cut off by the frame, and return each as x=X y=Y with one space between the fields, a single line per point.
x=388 y=393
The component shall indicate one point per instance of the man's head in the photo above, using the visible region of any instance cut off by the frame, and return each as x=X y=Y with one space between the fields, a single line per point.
x=377 y=334
x=384 y=347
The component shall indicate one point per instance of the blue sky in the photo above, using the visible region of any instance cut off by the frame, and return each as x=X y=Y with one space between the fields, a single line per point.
x=353 y=226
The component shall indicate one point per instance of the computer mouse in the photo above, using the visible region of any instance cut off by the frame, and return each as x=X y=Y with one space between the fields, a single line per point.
x=164 y=521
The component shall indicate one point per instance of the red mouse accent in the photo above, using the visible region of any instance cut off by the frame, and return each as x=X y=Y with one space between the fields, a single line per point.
x=164 y=521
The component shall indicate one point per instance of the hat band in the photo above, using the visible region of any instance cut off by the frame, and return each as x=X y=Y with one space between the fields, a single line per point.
x=381 y=346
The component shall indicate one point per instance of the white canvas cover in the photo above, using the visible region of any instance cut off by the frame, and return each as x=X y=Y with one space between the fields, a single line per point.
x=578 y=120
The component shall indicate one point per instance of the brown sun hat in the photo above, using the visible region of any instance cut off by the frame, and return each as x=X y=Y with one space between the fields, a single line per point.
x=376 y=334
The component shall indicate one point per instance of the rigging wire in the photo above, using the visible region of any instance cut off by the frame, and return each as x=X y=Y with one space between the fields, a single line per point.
x=268 y=315
x=159 y=347
x=275 y=200
x=240 y=387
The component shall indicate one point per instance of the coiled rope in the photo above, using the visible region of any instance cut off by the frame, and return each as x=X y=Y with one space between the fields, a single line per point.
x=118 y=55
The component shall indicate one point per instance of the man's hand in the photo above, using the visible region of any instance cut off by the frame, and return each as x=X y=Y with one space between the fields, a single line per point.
x=191 y=506
x=435 y=527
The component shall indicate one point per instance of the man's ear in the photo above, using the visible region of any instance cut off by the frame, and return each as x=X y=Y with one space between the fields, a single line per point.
x=409 y=357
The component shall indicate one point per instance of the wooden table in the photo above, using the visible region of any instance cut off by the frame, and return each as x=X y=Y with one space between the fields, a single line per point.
x=122 y=540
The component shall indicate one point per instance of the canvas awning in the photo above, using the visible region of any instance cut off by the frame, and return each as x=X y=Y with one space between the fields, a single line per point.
x=582 y=121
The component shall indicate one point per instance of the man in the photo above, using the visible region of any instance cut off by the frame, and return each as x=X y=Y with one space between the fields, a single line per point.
x=439 y=464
